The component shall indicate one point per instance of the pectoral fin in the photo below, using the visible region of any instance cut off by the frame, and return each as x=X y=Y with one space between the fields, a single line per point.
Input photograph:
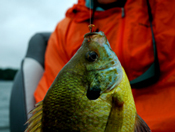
x=140 y=125
x=116 y=116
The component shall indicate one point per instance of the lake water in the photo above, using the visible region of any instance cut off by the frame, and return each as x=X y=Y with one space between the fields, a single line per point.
x=5 y=92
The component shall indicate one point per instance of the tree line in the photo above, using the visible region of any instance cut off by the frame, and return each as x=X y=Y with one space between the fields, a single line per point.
x=7 y=74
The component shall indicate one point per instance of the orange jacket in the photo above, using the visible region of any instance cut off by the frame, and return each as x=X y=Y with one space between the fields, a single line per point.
x=130 y=37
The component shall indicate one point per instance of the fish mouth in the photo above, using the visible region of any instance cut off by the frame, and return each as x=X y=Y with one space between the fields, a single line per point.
x=93 y=33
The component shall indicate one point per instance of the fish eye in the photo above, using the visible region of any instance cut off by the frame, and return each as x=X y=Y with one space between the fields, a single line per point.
x=91 y=56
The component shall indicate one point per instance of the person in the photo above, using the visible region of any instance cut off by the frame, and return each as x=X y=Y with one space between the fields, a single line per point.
x=126 y=25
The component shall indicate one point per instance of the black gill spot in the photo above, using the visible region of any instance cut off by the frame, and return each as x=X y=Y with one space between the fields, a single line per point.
x=93 y=93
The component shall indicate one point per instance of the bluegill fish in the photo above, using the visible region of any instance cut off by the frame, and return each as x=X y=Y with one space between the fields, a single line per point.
x=90 y=94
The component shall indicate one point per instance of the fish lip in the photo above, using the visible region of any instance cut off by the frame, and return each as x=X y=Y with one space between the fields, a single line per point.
x=93 y=33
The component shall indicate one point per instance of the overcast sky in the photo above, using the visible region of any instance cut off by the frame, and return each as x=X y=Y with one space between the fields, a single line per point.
x=20 y=19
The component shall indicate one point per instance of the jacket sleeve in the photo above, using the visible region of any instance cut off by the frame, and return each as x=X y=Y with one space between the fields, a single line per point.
x=55 y=59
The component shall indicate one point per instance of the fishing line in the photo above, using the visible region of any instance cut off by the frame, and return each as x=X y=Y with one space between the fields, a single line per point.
x=90 y=12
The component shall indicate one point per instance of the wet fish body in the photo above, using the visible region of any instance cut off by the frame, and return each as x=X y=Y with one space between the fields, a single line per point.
x=90 y=94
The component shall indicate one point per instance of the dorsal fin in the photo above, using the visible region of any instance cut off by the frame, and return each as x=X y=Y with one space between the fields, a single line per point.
x=34 y=122
x=140 y=125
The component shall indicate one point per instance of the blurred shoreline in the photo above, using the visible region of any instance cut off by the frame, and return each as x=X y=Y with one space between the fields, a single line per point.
x=7 y=74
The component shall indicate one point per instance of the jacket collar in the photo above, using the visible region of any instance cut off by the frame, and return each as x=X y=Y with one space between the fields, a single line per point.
x=80 y=12
x=90 y=4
